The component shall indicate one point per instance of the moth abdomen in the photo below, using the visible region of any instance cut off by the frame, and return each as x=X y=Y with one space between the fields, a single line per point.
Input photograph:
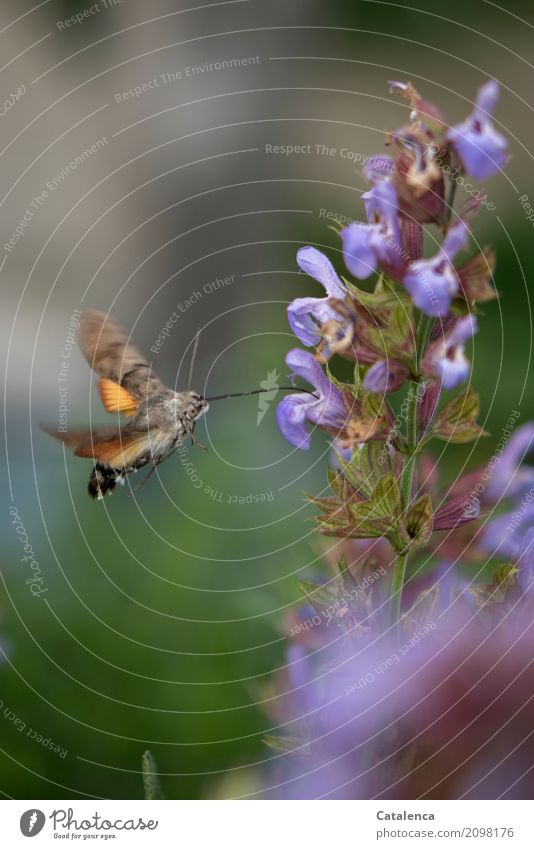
x=103 y=480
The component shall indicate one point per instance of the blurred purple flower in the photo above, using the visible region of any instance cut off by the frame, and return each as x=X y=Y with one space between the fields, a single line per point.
x=456 y=511
x=340 y=451
x=4 y=649
x=296 y=658
x=352 y=697
x=429 y=403
x=445 y=359
x=307 y=315
x=385 y=376
x=326 y=408
x=504 y=535
x=444 y=713
x=480 y=147
x=378 y=167
x=510 y=478
x=432 y=283
x=526 y=562
x=367 y=245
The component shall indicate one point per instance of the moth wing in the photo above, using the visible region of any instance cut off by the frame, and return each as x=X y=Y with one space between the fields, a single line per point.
x=107 y=349
x=74 y=438
x=115 y=398
x=118 y=451
x=106 y=445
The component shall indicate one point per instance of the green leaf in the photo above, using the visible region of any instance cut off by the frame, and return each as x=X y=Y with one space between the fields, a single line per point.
x=150 y=777
x=370 y=300
x=377 y=338
x=506 y=575
x=346 y=578
x=367 y=524
x=378 y=516
x=327 y=505
x=457 y=421
x=286 y=745
x=395 y=336
x=503 y=584
x=359 y=376
x=343 y=566
x=367 y=503
x=358 y=473
x=418 y=520
x=343 y=531
x=476 y=275
x=462 y=308
x=424 y=610
x=320 y=597
x=386 y=499
x=335 y=479
x=400 y=334
x=373 y=405
x=378 y=459
x=332 y=601
x=337 y=519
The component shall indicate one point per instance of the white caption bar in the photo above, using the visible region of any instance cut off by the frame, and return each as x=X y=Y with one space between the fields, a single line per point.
x=264 y=824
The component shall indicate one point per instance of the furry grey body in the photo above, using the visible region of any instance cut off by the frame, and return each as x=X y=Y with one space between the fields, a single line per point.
x=160 y=418
x=167 y=418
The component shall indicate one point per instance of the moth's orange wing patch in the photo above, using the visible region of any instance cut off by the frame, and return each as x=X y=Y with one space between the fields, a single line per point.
x=115 y=398
x=118 y=451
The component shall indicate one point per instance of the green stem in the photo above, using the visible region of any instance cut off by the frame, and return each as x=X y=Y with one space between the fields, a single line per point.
x=412 y=432
x=449 y=202
x=397 y=584
x=399 y=571
x=406 y=481
x=424 y=329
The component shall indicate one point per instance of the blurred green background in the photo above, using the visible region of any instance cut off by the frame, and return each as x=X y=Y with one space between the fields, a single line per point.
x=161 y=622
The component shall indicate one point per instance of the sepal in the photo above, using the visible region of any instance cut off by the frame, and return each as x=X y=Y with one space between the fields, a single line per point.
x=457 y=421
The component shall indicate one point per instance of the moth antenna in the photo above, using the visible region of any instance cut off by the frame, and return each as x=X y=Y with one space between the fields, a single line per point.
x=260 y=392
x=193 y=358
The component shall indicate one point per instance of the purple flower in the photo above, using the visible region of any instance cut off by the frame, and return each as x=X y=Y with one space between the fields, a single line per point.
x=505 y=534
x=340 y=451
x=353 y=696
x=428 y=405
x=480 y=147
x=4 y=649
x=432 y=283
x=326 y=408
x=401 y=719
x=509 y=478
x=445 y=358
x=367 y=245
x=297 y=664
x=423 y=112
x=455 y=512
x=378 y=167
x=307 y=315
x=526 y=562
x=385 y=376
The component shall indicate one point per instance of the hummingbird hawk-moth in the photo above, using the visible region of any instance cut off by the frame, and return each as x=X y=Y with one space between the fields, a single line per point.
x=160 y=419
